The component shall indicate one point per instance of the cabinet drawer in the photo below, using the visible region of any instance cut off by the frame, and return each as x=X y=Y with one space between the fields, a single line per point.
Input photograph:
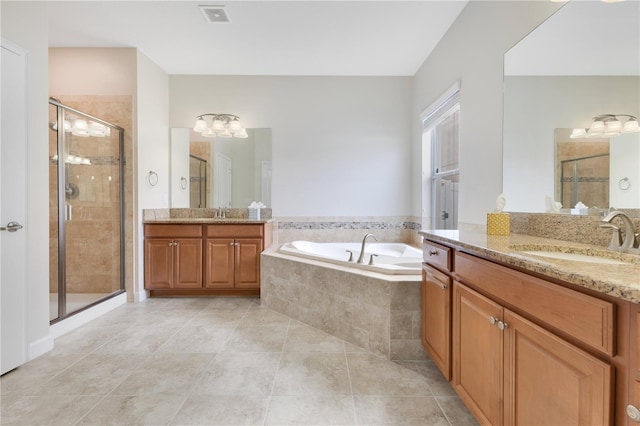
x=172 y=231
x=437 y=255
x=581 y=316
x=235 y=231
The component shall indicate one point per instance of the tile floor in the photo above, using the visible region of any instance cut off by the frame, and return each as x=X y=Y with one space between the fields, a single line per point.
x=219 y=361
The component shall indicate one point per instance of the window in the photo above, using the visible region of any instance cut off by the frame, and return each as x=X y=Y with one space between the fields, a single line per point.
x=440 y=169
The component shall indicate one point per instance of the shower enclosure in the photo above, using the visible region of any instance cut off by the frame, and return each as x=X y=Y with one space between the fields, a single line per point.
x=198 y=182
x=586 y=180
x=86 y=210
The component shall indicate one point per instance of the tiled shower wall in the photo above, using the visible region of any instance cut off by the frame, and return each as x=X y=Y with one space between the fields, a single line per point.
x=92 y=238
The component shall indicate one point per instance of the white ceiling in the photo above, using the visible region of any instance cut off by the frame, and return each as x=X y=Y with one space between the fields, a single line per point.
x=582 y=38
x=365 y=38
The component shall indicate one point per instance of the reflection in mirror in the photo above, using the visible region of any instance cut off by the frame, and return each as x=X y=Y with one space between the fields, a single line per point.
x=582 y=171
x=598 y=172
x=556 y=78
x=223 y=172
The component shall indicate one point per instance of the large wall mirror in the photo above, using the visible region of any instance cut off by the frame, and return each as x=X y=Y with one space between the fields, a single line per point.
x=220 y=172
x=582 y=62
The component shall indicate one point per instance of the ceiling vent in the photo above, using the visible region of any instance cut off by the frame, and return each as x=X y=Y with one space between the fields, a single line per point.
x=214 y=14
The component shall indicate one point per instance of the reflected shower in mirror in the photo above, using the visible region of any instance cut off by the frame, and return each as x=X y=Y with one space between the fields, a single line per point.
x=223 y=172
x=556 y=77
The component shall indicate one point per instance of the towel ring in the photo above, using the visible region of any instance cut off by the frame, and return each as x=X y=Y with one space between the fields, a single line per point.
x=624 y=184
x=152 y=178
x=183 y=182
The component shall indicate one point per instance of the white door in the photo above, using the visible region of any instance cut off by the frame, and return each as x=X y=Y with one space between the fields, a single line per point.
x=13 y=241
x=222 y=181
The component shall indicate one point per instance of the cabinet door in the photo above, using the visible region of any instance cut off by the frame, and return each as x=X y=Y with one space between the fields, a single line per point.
x=477 y=354
x=158 y=263
x=219 y=263
x=188 y=263
x=548 y=381
x=436 y=318
x=247 y=267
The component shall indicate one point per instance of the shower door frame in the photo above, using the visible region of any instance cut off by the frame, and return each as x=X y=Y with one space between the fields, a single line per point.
x=62 y=177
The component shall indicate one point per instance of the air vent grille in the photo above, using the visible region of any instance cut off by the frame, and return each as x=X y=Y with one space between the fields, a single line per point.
x=215 y=14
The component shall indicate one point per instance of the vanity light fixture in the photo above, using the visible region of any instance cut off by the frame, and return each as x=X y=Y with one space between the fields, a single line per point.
x=222 y=126
x=606 y=125
x=83 y=128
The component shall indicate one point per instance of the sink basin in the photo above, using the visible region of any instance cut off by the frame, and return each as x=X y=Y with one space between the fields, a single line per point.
x=576 y=257
x=575 y=254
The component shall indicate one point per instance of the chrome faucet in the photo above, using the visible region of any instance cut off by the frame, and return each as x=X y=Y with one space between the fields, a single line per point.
x=364 y=240
x=630 y=243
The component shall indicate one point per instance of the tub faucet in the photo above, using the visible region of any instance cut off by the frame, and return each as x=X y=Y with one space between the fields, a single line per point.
x=630 y=243
x=364 y=240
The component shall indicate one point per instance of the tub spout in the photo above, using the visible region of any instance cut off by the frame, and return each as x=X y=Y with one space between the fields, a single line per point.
x=364 y=241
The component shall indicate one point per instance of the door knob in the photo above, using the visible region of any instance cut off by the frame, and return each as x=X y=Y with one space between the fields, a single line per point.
x=11 y=227
x=633 y=413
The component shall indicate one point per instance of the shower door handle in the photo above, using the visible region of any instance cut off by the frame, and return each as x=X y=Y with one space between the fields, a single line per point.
x=12 y=226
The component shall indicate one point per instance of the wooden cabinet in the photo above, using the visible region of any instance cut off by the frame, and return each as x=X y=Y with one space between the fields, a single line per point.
x=436 y=306
x=524 y=350
x=511 y=371
x=196 y=259
x=173 y=257
x=233 y=263
x=477 y=354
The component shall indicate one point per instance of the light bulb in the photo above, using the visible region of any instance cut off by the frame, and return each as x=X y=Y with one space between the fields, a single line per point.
x=235 y=126
x=631 y=126
x=200 y=126
x=578 y=133
x=225 y=134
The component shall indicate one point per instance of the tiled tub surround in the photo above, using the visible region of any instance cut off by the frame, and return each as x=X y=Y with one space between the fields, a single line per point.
x=402 y=229
x=379 y=313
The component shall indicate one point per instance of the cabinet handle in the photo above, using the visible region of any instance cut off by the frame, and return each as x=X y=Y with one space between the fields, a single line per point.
x=433 y=253
x=502 y=325
x=633 y=413
x=493 y=320
x=441 y=285
x=173 y=244
x=232 y=243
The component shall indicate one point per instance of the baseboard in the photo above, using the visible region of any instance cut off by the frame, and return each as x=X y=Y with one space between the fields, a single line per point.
x=40 y=347
x=60 y=328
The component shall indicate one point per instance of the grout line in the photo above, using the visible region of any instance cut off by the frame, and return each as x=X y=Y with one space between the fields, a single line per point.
x=275 y=376
x=353 y=399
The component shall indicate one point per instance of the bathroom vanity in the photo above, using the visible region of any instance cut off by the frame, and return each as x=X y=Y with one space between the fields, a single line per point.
x=204 y=256
x=528 y=339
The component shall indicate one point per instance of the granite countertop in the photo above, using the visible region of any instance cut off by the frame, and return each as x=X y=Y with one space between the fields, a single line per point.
x=206 y=220
x=618 y=280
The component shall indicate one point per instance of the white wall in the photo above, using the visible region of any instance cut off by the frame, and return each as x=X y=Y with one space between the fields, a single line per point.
x=341 y=145
x=472 y=52
x=33 y=38
x=534 y=107
x=624 y=164
x=152 y=151
x=179 y=165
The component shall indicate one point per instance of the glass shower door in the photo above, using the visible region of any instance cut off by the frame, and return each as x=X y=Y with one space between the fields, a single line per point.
x=87 y=211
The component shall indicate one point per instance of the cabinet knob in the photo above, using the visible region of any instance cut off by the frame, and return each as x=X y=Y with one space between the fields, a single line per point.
x=633 y=413
x=493 y=320
x=433 y=253
x=502 y=325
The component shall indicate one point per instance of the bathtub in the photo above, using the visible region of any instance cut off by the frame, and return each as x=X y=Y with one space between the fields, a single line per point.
x=390 y=258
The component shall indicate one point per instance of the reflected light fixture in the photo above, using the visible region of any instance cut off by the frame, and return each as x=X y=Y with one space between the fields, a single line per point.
x=83 y=128
x=607 y=125
x=222 y=126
